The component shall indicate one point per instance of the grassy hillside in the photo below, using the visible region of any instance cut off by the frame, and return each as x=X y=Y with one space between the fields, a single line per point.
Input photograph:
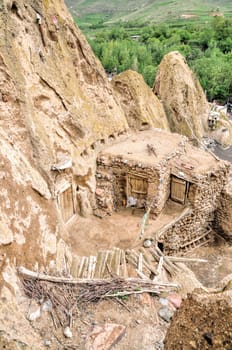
x=88 y=12
x=161 y=26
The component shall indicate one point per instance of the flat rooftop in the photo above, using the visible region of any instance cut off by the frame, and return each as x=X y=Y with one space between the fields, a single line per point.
x=135 y=147
x=166 y=145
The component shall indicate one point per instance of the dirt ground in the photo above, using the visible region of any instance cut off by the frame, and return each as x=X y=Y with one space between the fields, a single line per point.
x=122 y=229
x=144 y=330
x=219 y=265
x=203 y=323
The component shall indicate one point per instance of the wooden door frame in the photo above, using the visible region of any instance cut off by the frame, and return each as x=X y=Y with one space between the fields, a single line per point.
x=128 y=176
x=185 y=192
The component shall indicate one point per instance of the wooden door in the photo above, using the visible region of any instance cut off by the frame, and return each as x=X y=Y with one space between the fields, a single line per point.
x=179 y=189
x=137 y=187
x=66 y=204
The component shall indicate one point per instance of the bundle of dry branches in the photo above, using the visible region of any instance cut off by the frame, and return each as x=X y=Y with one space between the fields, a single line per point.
x=66 y=294
x=60 y=296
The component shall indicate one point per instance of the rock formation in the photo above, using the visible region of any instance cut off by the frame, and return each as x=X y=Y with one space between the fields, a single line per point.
x=184 y=101
x=58 y=110
x=56 y=106
x=141 y=106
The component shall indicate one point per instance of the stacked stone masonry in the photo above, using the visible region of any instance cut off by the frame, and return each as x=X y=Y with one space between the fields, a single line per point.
x=202 y=177
x=223 y=217
x=195 y=228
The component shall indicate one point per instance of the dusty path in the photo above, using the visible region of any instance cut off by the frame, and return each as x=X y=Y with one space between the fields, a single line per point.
x=122 y=229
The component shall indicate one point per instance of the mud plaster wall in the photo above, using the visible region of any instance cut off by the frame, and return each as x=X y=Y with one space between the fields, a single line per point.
x=223 y=215
x=204 y=198
x=111 y=180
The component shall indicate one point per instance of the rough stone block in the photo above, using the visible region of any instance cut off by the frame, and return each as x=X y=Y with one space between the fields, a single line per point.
x=175 y=299
x=104 y=337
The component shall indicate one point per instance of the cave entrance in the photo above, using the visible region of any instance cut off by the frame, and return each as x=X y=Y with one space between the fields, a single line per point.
x=179 y=189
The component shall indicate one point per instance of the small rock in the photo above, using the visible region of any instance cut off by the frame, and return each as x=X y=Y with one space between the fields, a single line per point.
x=34 y=315
x=193 y=344
x=175 y=299
x=147 y=243
x=47 y=305
x=105 y=336
x=5 y=98
x=47 y=343
x=99 y=192
x=163 y=301
x=159 y=345
x=166 y=314
x=68 y=332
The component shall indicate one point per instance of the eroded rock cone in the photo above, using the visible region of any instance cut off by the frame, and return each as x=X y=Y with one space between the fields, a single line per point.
x=184 y=101
x=142 y=108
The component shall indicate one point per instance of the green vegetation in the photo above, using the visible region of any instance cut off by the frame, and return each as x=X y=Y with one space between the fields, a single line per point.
x=206 y=47
x=156 y=11
x=161 y=27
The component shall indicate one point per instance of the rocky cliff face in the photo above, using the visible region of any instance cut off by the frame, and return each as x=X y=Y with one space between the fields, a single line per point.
x=56 y=106
x=184 y=101
x=142 y=108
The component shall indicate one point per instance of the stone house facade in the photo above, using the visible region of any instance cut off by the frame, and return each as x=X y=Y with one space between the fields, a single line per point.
x=155 y=166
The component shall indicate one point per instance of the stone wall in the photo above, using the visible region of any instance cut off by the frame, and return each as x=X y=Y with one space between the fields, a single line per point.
x=111 y=180
x=223 y=215
x=194 y=229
